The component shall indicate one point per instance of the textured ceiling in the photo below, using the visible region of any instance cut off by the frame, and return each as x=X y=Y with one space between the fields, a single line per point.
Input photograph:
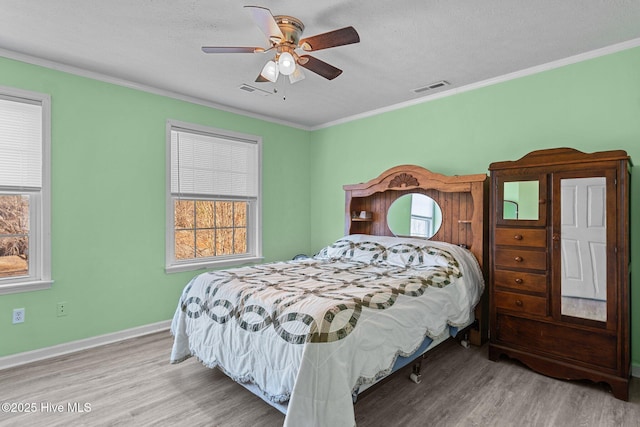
x=405 y=44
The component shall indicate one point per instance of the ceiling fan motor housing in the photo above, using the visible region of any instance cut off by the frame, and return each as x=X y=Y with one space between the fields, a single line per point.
x=291 y=28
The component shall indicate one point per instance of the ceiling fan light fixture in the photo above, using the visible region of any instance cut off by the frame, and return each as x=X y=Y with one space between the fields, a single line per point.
x=270 y=71
x=296 y=76
x=286 y=63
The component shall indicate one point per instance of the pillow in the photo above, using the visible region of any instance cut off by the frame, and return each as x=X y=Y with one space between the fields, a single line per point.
x=415 y=252
x=399 y=251
x=355 y=247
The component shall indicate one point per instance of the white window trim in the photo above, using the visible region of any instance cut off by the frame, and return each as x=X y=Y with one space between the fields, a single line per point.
x=255 y=240
x=42 y=228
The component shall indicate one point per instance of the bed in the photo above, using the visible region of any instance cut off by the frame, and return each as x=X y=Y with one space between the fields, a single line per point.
x=307 y=335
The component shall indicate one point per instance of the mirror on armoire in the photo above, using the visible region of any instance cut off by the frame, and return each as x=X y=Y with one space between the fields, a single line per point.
x=521 y=200
x=583 y=243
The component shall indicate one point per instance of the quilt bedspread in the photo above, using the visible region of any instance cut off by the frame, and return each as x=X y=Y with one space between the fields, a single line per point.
x=310 y=331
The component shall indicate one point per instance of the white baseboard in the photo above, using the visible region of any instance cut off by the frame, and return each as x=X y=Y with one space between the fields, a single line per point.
x=635 y=371
x=73 y=346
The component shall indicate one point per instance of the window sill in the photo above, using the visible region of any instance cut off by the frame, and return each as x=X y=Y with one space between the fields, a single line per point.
x=36 y=285
x=177 y=268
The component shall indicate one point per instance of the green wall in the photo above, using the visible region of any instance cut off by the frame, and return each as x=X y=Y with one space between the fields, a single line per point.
x=108 y=151
x=591 y=106
x=108 y=206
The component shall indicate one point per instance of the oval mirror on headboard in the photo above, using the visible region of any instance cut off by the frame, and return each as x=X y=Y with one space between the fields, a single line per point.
x=415 y=215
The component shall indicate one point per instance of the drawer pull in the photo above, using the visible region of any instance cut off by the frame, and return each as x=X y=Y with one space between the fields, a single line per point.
x=518 y=259
x=519 y=303
x=519 y=281
x=518 y=237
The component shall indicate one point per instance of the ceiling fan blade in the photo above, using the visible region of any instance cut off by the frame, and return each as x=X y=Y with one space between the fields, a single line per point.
x=231 y=49
x=341 y=37
x=319 y=67
x=266 y=22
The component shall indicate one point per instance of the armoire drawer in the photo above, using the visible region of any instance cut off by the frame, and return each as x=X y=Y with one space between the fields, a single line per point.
x=522 y=303
x=520 y=281
x=520 y=258
x=532 y=237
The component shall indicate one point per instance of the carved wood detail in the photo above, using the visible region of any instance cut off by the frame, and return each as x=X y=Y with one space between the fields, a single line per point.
x=404 y=179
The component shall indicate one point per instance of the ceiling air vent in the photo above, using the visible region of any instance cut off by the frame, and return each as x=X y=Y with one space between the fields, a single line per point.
x=432 y=86
x=248 y=88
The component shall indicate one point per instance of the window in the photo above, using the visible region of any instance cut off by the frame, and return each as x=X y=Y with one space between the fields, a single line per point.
x=25 y=249
x=422 y=216
x=213 y=197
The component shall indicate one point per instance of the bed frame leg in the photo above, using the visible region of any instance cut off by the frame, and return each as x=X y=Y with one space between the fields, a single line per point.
x=415 y=376
x=465 y=340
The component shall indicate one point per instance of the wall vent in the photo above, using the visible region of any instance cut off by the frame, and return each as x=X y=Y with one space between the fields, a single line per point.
x=432 y=86
x=251 y=89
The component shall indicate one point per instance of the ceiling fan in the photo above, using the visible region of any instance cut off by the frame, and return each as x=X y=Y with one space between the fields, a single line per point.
x=283 y=33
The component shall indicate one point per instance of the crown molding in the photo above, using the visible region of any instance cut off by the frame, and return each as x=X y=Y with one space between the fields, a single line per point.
x=630 y=44
x=489 y=82
x=81 y=72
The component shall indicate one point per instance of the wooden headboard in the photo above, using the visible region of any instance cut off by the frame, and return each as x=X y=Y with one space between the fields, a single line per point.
x=463 y=200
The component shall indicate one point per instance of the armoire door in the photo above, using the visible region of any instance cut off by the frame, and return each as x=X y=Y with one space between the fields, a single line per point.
x=584 y=228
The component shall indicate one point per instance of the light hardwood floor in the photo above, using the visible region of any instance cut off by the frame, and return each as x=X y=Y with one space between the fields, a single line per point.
x=131 y=383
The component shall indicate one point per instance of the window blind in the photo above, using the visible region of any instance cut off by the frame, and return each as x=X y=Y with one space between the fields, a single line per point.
x=20 y=144
x=213 y=165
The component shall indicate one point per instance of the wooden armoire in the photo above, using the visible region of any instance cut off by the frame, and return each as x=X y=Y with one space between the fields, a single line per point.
x=559 y=264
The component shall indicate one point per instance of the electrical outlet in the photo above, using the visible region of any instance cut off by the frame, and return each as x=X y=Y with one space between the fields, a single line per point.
x=62 y=309
x=18 y=315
